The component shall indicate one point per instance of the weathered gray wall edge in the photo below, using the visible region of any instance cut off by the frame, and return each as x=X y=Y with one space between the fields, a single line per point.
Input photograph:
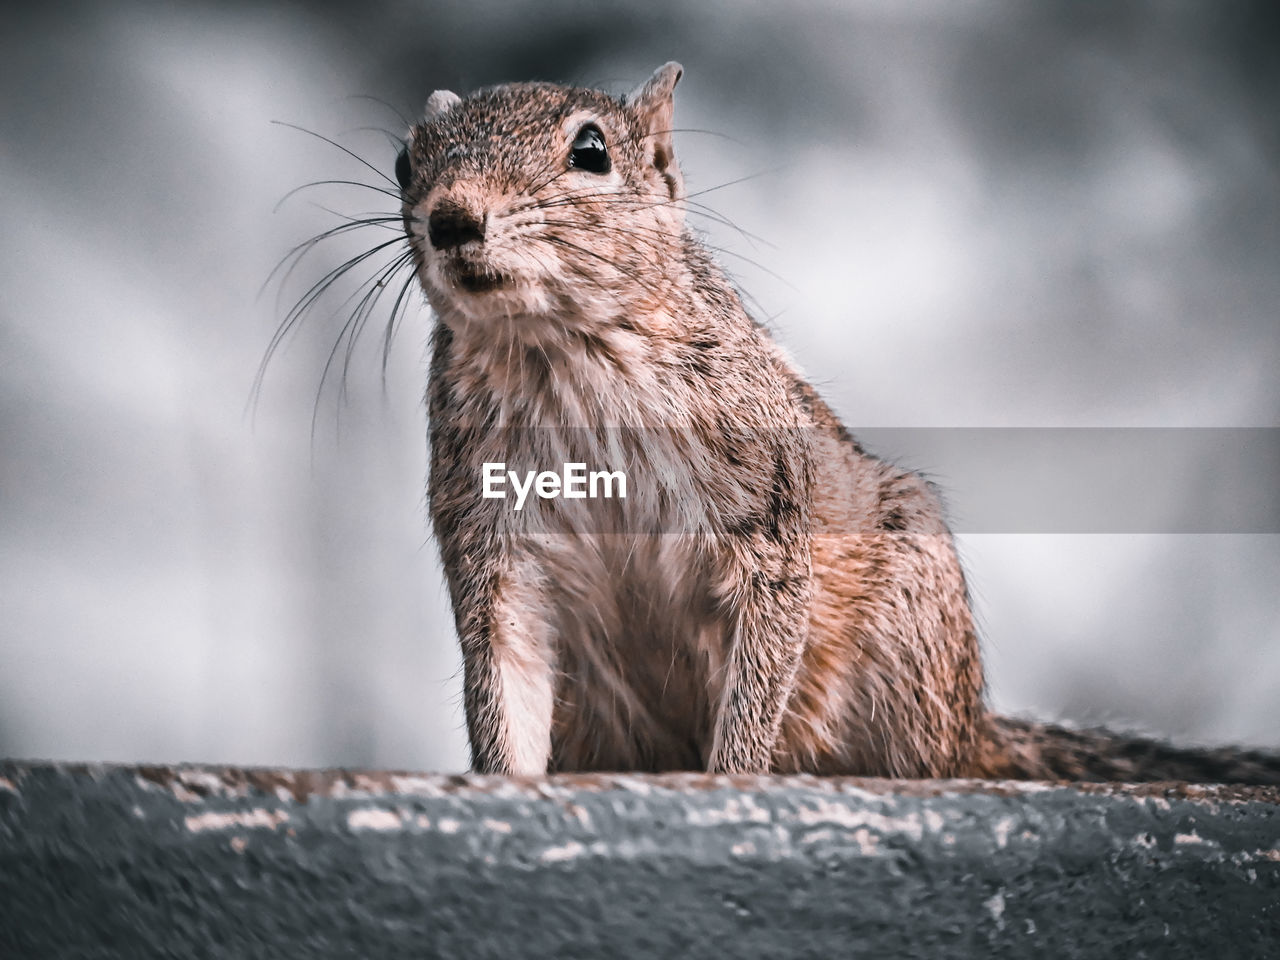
x=99 y=861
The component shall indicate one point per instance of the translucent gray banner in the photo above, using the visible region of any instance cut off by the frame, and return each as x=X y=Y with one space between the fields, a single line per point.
x=1096 y=480
x=991 y=480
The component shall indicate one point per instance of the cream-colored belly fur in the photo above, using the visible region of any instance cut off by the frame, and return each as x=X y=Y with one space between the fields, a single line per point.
x=633 y=648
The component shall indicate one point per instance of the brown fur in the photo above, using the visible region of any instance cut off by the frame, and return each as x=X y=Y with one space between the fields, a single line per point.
x=769 y=596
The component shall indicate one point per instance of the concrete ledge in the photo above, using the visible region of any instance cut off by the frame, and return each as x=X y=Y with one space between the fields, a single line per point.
x=99 y=861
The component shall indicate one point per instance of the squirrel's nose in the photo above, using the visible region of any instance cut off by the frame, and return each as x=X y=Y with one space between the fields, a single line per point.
x=451 y=226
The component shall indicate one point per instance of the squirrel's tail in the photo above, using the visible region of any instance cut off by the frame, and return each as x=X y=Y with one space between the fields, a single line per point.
x=1025 y=750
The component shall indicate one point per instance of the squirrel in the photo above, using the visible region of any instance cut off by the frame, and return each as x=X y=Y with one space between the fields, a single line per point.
x=768 y=596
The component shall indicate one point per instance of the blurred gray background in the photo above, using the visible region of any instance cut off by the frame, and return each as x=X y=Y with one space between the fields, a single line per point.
x=976 y=214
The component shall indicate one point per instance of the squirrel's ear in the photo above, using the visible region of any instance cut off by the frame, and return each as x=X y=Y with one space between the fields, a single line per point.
x=442 y=101
x=654 y=106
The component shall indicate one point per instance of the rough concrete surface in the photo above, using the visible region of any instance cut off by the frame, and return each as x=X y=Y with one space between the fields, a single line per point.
x=102 y=861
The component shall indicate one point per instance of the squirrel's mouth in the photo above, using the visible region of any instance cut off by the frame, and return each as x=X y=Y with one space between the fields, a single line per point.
x=477 y=279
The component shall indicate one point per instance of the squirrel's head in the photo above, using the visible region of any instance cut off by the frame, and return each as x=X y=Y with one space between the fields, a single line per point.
x=532 y=199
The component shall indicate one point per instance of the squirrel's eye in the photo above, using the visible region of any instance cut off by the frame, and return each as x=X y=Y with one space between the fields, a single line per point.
x=588 y=152
x=404 y=172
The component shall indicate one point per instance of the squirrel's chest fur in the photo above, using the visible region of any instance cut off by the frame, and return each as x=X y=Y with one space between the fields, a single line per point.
x=617 y=594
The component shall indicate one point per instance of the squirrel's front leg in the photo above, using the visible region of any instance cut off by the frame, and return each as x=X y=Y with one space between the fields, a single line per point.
x=762 y=585
x=508 y=674
x=768 y=625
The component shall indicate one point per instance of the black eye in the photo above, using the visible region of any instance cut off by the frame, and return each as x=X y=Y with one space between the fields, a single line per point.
x=403 y=171
x=588 y=152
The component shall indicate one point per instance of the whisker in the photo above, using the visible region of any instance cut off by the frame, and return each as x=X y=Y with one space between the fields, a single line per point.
x=382 y=103
x=637 y=202
x=638 y=232
x=372 y=218
x=543 y=184
x=350 y=331
x=304 y=304
x=366 y=296
x=641 y=281
x=377 y=287
x=298 y=252
x=393 y=139
x=395 y=314
x=654 y=234
x=317 y=289
x=335 y=143
x=733 y=183
x=365 y=307
x=710 y=133
x=394 y=194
